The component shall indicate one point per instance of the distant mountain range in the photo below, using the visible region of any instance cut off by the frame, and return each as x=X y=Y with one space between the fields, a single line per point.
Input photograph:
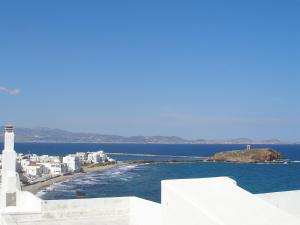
x=48 y=135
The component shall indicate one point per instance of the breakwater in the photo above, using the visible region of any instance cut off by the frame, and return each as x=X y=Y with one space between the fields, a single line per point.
x=157 y=155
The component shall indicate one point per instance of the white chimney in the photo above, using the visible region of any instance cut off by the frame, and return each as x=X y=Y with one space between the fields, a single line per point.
x=10 y=184
x=9 y=137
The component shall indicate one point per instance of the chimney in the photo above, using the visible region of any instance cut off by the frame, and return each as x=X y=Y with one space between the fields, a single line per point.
x=10 y=184
x=9 y=138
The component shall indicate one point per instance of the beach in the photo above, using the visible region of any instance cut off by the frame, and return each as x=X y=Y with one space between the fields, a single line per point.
x=36 y=187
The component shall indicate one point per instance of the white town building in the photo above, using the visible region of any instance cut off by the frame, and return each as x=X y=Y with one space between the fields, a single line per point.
x=97 y=157
x=103 y=156
x=73 y=163
x=36 y=169
x=50 y=159
x=56 y=169
x=34 y=158
x=24 y=164
x=93 y=157
x=206 y=201
x=82 y=156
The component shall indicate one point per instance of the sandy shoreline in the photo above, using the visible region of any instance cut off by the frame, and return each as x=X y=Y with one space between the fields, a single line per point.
x=35 y=188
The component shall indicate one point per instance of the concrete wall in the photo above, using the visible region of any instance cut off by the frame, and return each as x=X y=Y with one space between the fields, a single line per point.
x=87 y=207
x=28 y=202
x=144 y=212
x=178 y=210
x=288 y=201
x=123 y=210
x=136 y=211
x=217 y=201
x=7 y=220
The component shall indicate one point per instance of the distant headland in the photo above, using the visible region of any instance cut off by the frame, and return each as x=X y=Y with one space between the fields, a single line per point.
x=49 y=135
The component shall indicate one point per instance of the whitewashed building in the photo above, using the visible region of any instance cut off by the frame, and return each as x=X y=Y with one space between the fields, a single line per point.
x=93 y=157
x=34 y=158
x=36 y=169
x=49 y=159
x=103 y=156
x=24 y=164
x=56 y=169
x=44 y=158
x=82 y=156
x=97 y=157
x=73 y=163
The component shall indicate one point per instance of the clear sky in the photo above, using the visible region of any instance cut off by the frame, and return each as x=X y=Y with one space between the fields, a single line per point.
x=195 y=69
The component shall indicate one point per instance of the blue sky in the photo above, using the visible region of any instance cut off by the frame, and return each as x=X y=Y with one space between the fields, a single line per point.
x=195 y=69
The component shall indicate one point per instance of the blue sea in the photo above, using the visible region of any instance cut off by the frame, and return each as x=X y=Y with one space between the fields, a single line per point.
x=144 y=180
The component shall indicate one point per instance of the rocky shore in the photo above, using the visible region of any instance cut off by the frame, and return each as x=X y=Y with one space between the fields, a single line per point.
x=258 y=155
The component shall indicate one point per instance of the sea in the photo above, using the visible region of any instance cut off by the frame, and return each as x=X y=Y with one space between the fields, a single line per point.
x=144 y=180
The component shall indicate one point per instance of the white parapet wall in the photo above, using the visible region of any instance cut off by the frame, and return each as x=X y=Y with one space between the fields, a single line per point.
x=102 y=211
x=100 y=207
x=207 y=201
x=144 y=212
x=129 y=210
x=217 y=201
x=288 y=201
x=28 y=202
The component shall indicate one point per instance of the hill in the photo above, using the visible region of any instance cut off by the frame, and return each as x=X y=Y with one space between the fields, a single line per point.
x=49 y=135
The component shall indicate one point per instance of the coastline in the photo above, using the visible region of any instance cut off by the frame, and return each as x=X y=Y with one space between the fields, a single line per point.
x=35 y=188
x=39 y=186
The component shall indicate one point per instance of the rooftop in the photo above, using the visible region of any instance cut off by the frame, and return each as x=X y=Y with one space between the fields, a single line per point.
x=208 y=201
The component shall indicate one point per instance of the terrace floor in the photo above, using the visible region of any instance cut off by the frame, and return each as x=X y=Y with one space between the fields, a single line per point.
x=91 y=220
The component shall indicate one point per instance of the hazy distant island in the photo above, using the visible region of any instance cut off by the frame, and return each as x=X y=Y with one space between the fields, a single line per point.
x=257 y=155
x=49 y=135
